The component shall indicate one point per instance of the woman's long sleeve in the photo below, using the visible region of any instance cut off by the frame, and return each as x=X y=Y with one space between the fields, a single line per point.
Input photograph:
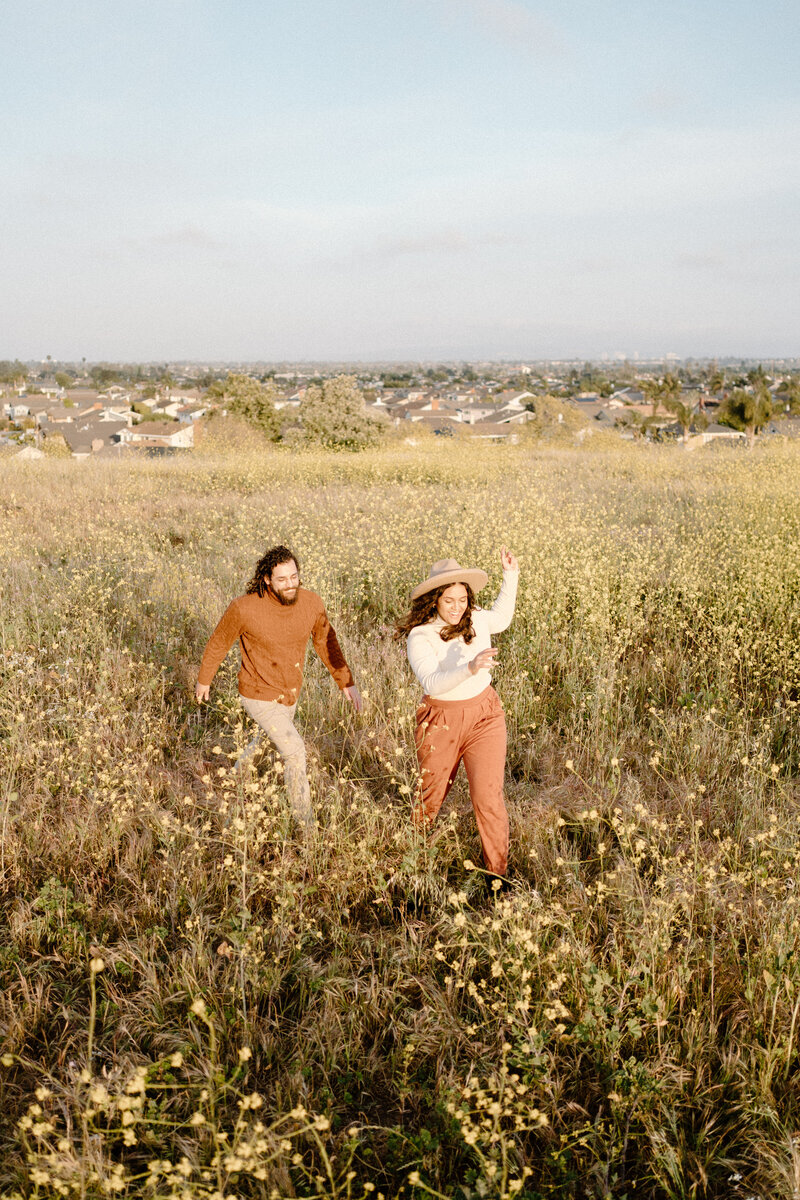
x=501 y=613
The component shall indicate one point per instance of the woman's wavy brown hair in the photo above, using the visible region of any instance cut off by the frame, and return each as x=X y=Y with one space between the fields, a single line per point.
x=423 y=611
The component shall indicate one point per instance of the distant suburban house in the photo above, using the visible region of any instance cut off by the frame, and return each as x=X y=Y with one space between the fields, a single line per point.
x=57 y=415
x=80 y=444
x=424 y=402
x=184 y=396
x=504 y=417
x=437 y=421
x=592 y=409
x=492 y=431
x=472 y=413
x=17 y=410
x=83 y=398
x=785 y=427
x=421 y=410
x=86 y=435
x=513 y=401
x=627 y=395
x=167 y=408
x=117 y=393
x=192 y=412
x=113 y=413
x=157 y=433
x=715 y=433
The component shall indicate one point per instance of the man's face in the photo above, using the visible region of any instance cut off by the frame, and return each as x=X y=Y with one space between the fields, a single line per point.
x=284 y=582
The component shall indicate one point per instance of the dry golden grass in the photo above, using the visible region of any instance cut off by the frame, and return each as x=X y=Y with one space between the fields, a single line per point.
x=195 y=1004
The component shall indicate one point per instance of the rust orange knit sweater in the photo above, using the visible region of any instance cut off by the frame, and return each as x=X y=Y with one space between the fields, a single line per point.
x=273 y=638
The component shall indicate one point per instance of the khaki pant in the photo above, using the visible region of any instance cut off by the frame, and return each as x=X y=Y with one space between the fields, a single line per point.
x=450 y=732
x=277 y=722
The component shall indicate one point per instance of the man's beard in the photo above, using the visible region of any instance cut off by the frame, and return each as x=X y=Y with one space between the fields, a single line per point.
x=284 y=600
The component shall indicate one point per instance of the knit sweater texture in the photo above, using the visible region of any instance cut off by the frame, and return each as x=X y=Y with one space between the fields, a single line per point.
x=443 y=667
x=273 y=638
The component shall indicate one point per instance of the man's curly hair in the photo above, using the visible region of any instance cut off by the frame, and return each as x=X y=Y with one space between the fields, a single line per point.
x=265 y=566
x=423 y=610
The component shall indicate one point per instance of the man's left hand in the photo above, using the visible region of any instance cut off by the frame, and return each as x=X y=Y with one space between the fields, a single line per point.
x=354 y=696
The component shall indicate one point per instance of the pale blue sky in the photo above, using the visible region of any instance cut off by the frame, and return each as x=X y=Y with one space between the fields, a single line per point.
x=245 y=179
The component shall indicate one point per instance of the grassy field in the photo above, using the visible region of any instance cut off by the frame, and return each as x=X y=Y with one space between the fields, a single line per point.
x=195 y=1004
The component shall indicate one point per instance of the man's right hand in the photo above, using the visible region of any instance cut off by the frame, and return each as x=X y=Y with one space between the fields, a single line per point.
x=354 y=696
x=202 y=691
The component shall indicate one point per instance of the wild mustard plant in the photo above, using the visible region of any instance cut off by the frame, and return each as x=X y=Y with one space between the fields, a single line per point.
x=624 y=1020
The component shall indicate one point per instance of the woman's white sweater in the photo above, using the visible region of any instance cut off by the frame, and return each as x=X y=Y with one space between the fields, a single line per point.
x=442 y=668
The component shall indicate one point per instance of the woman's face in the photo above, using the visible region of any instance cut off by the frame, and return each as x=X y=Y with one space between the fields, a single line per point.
x=452 y=604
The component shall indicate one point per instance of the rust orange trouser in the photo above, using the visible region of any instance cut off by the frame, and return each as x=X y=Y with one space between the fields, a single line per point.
x=473 y=731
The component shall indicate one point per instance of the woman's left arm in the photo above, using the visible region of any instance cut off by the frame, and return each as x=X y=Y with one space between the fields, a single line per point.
x=501 y=613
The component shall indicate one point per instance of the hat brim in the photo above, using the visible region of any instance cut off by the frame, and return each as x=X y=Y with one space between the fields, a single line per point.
x=476 y=579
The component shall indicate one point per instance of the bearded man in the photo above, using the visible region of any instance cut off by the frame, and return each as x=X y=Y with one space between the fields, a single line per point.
x=273 y=622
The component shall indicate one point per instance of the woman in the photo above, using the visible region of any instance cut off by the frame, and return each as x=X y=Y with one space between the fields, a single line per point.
x=461 y=718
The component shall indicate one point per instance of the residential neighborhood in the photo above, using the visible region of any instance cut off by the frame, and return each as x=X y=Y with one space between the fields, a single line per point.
x=102 y=411
x=86 y=421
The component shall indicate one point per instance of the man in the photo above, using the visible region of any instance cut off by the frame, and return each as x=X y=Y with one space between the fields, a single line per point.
x=273 y=622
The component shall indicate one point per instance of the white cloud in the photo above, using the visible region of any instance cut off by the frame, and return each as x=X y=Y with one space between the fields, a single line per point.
x=700 y=262
x=662 y=101
x=189 y=237
x=435 y=243
x=509 y=22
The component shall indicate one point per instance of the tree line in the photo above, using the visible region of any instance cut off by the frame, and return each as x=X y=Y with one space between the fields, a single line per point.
x=331 y=414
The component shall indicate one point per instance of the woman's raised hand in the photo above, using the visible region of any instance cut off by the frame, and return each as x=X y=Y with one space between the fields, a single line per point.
x=508 y=560
x=483 y=661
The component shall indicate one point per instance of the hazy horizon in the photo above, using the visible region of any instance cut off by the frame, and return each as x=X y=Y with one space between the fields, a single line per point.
x=667 y=362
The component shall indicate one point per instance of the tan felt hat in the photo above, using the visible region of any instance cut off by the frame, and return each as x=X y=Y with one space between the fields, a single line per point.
x=446 y=571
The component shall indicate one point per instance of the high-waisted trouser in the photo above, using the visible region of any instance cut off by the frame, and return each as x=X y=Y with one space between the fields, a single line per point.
x=473 y=731
x=277 y=722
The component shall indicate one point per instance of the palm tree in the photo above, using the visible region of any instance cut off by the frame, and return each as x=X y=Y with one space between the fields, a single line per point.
x=748 y=411
x=636 y=422
x=792 y=390
x=685 y=414
x=651 y=390
x=716 y=380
